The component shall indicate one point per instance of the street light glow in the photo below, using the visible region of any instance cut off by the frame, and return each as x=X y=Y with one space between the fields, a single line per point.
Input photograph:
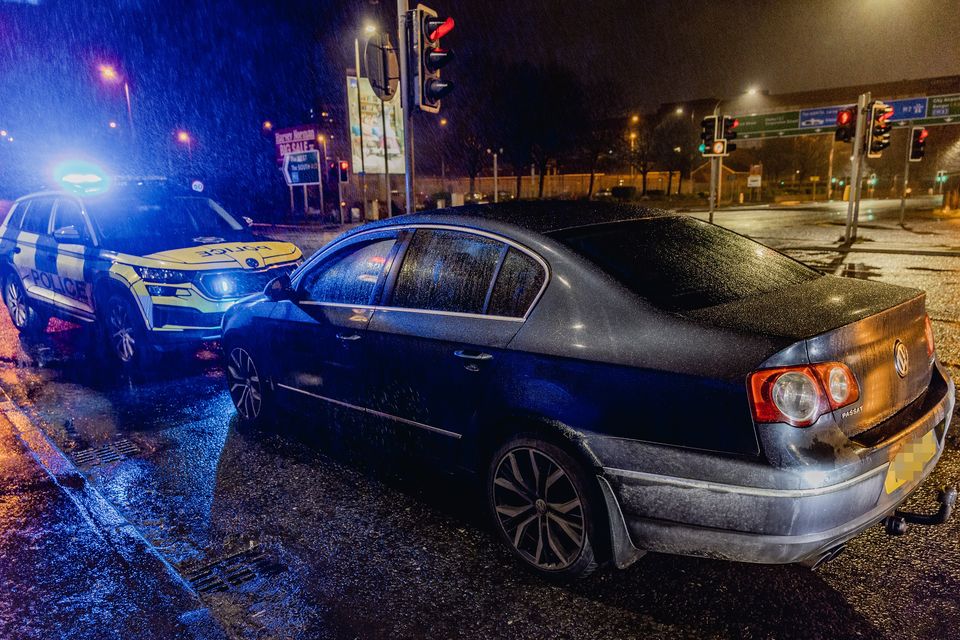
x=635 y=119
x=3 y=133
x=752 y=91
x=679 y=111
x=370 y=29
x=443 y=122
x=112 y=124
x=267 y=125
x=108 y=73
x=183 y=136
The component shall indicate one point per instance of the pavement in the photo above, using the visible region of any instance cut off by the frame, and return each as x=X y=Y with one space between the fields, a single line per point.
x=70 y=565
x=308 y=533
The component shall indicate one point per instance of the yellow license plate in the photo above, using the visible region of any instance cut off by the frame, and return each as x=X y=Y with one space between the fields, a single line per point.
x=909 y=462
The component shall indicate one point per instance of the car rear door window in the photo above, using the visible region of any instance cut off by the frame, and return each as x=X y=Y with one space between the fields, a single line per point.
x=679 y=263
x=349 y=276
x=447 y=271
x=38 y=216
x=518 y=283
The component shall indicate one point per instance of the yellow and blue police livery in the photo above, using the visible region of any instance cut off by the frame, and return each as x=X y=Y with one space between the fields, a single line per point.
x=150 y=266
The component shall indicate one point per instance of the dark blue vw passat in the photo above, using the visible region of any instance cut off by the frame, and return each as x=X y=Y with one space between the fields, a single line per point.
x=622 y=380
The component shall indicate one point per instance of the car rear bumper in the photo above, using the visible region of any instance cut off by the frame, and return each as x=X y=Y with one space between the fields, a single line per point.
x=682 y=515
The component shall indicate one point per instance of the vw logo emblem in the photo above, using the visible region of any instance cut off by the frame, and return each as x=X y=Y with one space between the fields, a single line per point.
x=901 y=359
x=251 y=262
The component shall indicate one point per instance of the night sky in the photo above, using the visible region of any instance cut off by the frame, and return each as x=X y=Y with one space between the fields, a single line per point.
x=220 y=67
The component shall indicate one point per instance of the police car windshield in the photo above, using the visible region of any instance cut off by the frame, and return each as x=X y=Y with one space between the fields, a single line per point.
x=147 y=225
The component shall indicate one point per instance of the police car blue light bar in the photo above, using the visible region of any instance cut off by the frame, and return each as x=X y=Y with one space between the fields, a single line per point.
x=82 y=177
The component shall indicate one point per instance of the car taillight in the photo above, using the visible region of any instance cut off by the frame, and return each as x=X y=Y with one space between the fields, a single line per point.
x=928 y=334
x=800 y=395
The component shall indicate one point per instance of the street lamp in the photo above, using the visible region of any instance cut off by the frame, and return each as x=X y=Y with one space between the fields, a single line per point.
x=635 y=119
x=267 y=125
x=633 y=140
x=109 y=74
x=679 y=111
x=112 y=124
x=184 y=138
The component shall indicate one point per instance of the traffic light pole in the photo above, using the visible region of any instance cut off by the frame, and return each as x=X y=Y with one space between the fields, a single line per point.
x=906 y=175
x=714 y=162
x=853 y=202
x=406 y=101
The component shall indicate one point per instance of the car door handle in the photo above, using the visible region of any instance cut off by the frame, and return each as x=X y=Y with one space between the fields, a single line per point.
x=472 y=355
x=348 y=337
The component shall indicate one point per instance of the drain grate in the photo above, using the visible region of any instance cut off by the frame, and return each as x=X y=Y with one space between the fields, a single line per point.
x=231 y=571
x=110 y=452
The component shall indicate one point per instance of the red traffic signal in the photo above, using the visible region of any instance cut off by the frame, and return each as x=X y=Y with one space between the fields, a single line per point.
x=918 y=142
x=878 y=136
x=437 y=27
x=344 y=171
x=846 y=124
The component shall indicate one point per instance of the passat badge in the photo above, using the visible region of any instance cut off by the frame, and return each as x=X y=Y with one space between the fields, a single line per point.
x=901 y=359
x=251 y=262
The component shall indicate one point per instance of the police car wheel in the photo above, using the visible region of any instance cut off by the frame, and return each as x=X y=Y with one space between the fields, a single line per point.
x=24 y=317
x=124 y=334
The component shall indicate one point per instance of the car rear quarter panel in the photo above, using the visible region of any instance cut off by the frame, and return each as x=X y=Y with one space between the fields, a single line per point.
x=595 y=357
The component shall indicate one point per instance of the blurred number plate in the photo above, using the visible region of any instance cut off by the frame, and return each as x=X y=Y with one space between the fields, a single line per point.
x=909 y=462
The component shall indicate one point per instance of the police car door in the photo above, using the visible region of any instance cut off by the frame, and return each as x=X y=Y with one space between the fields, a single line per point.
x=74 y=254
x=35 y=257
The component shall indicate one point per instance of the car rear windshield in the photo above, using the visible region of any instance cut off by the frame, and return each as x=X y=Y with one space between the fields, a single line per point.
x=161 y=222
x=680 y=263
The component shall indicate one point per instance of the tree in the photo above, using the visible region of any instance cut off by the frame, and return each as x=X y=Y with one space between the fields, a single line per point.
x=641 y=139
x=675 y=146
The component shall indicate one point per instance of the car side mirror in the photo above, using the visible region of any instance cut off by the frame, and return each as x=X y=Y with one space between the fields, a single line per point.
x=67 y=234
x=280 y=289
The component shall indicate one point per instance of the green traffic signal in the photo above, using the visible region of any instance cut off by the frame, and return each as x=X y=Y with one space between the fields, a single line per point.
x=702 y=148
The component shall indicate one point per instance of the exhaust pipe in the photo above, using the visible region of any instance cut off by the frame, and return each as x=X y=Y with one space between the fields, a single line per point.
x=827 y=556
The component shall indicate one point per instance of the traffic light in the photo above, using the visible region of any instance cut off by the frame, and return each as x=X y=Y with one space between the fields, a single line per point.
x=344 y=171
x=708 y=137
x=941 y=177
x=729 y=133
x=431 y=57
x=918 y=140
x=878 y=136
x=846 y=124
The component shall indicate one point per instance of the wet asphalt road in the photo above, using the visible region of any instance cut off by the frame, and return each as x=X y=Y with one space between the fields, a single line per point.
x=300 y=534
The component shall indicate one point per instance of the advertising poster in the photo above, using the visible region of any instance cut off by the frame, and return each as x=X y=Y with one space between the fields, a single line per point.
x=369 y=117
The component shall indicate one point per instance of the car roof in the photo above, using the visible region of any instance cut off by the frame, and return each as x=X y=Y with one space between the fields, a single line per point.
x=539 y=217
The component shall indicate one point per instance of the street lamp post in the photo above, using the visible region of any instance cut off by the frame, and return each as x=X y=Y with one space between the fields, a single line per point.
x=496 y=186
x=363 y=171
x=109 y=74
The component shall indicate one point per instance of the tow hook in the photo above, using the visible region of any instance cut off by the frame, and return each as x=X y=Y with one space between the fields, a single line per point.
x=898 y=523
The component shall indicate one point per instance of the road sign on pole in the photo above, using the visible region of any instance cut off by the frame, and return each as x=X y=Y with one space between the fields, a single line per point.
x=302 y=168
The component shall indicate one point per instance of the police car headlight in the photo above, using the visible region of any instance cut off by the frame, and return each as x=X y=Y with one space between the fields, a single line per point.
x=223 y=286
x=164 y=276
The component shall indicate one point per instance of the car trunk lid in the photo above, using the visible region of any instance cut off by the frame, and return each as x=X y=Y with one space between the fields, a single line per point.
x=857 y=322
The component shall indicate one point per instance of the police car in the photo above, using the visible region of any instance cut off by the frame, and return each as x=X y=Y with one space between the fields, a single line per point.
x=149 y=265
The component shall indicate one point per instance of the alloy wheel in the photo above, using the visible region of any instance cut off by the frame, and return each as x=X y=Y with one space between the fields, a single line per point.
x=244 y=380
x=539 y=509
x=16 y=304
x=122 y=335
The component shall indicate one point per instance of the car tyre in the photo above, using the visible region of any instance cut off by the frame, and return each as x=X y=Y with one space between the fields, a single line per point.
x=25 y=317
x=544 y=505
x=249 y=389
x=125 y=338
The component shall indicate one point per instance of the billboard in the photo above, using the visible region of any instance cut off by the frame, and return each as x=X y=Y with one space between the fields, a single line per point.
x=302 y=137
x=369 y=117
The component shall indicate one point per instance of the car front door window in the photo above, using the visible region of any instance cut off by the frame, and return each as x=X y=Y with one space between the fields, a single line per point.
x=350 y=276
